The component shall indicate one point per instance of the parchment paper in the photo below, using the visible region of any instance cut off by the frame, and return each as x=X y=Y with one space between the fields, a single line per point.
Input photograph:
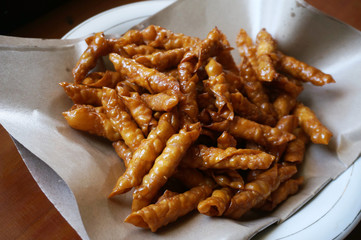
x=31 y=103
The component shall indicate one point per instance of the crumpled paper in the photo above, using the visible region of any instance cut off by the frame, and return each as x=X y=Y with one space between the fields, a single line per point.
x=31 y=102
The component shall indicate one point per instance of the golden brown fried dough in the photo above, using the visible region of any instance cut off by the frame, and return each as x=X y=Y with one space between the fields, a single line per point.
x=303 y=71
x=226 y=140
x=123 y=151
x=163 y=102
x=93 y=120
x=122 y=121
x=81 y=94
x=148 y=78
x=216 y=204
x=168 y=210
x=204 y=157
x=162 y=60
x=295 y=150
x=102 y=79
x=144 y=157
x=318 y=133
x=165 y=165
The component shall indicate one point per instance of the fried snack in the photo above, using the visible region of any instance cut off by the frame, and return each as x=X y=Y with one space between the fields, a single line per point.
x=216 y=204
x=81 y=94
x=93 y=120
x=318 y=133
x=148 y=78
x=228 y=178
x=123 y=151
x=204 y=157
x=255 y=192
x=226 y=140
x=295 y=150
x=246 y=48
x=219 y=87
x=254 y=89
x=168 y=210
x=244 y=108
x=162 y=60
x=288 y=85
x=303 y=71
x=139 y=110
x=122 y=121
x=284 y=104
x=287 y=124
x=266 y=48
x=163 y=102
x=165 y=165
x=97 y=46
x=158 y=37
x=290 y=187
x=144 y=157
x=102 y=79
x=167 y=194
x=192 y=177
x=134 y=49
x=252 y=131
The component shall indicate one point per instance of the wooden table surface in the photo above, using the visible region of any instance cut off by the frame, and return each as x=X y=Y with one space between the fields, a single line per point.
x=25 y=212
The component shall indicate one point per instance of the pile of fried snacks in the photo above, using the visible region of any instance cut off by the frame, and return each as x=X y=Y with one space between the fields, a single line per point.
x=195 y=129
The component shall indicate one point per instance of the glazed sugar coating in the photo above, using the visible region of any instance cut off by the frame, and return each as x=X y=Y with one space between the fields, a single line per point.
x=311 y=125
x=204 y=157
x=162 y=60
x=138 y=109
x=304 y=71
x=216 y=204
x=144 y=157
x=284 y=104
x=102 y=79
x=123 y=151
x=163 y=102
x=148 y=78
x=266 y=46
x=116 y=111
x=290 y=187
x=165 y=165
x=295 y=150
x=97 y=46
x=168 y=210
x=81 y=94
x=228 y=178
x=93 y=120
x=226 y=140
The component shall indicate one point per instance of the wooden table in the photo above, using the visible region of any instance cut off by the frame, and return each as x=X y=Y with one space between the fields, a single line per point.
x=25 y=212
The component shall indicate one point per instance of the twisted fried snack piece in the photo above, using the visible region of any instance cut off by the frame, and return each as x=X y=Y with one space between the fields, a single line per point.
x=162 y=60
x=93 y=120
x=244 y=108
x=284 y=104
x=122 y=121
x=228 y=178
x=254 y=193
x=165 y=165
x=81 y=94
x=168 y=210
x=290 y=187
x=192 y=177
x=218 y=86
x=217 y=203
x=303 y=71
x=288 y=85
x=266 y=49
x=123 y=151
x=148 y=78
x=103 y=79
x=97 y=46
x=226 y=140
x=162 y=102
x=139 y=110
x=295 y=150
x=204 y=157
x=252 y=131
x=309 y=122
x=134 y=49
x=144 y=157
x=246 y=48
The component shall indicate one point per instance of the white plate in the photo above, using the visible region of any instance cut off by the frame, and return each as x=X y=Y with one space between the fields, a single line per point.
x=332 y=214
